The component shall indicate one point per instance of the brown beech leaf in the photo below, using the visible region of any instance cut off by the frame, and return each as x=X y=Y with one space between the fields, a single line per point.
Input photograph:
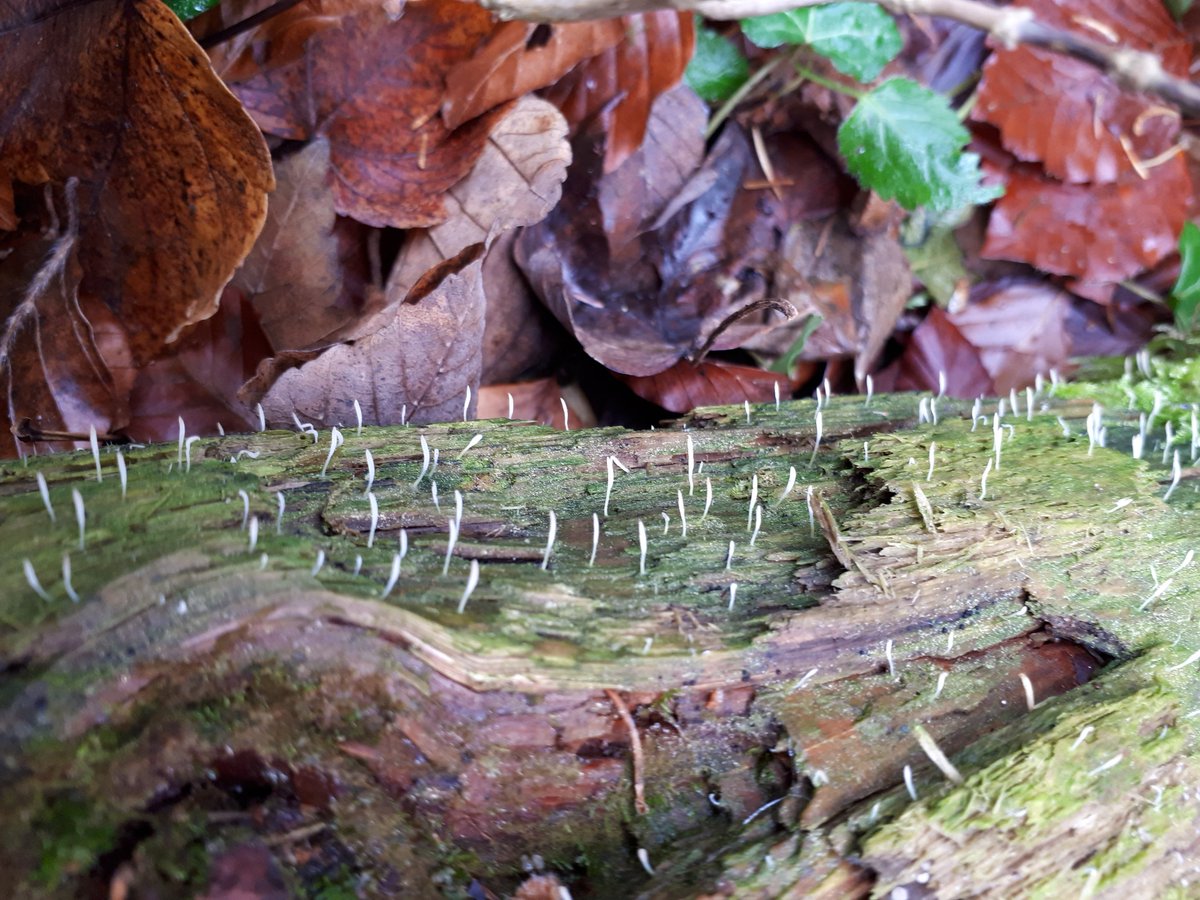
x=201 y=378
x=651 y=59
x=1067 y=114
x=685 y=386
x=537 y=401
x=616 y=276
x=373 y=87
x=296 y=275
x=938 y=347
x=1096 y=233
x=171 y=175
x=55 y=377
x=1018 y=329
x=418 y=365
x=516 y=181
x=520 y=57
x=520 y=337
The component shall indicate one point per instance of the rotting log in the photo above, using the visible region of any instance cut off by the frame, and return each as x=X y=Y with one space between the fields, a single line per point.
x=221 y=708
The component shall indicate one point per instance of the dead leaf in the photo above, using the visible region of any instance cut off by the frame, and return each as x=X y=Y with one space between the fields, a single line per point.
x=373 y=87
x=1097 y=233
x=649 y=61
x=537 y=401
x=520 y=338
x=516 y=181
x=1069 y=115
x=520 y=57
x=172 y=175
x=937 y=347
x=685 y=386
x=417 y=366
x=296 y=275
x=201 y=379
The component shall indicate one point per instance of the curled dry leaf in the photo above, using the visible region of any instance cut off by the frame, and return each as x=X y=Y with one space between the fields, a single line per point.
x=938 y=347
x=297 y=276
x=421 y=353
x=419 y=363
x=1069 y=115
x=520 y=57
x=540 y=401
x=172 y=175
x=651 y=59
x=372 y=85
x=1096 y=233
x=685 y=386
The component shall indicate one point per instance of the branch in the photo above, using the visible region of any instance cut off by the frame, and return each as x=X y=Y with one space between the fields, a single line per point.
x=1010 y=26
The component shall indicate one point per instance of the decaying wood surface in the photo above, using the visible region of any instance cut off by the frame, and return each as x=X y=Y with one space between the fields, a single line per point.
x=233 y=702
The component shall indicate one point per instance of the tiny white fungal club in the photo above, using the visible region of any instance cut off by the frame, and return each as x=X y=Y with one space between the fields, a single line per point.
x=1176 y=474
x=983 y=479
x=644 y=859
x=44 y=490
x=424 y=462
x=433 y=492
x=510 y=406
x=753 y=501
x=358 y=417
x=182 y=435
x=66 y=572
x=642 y=547
x=187 y=452
x=318 y=564
x=458 y=508
x=357 y=563
x=941 y=383
x=941 y=683
x=729 y=557
x=757 y=523
x=808 y=498
x=870 y=390
x=747 y=405
x=666 y=523
x=95 y=450
x=403 y=542
x=817 y=442
x=566 y=414
x=707 y=497
x=472 y=581
x=550 y=535
x=1028 y=404
x=279 y=515
x=682 y=514
x=595 y=538
x=1084 y=734
x=608 y=490
x=691 y=464
x=262 y=417
x=936 y=756
x=335 y=441
x=245 y=507
x=374 y=519
x=1030 y=699
x=450 y=547
x=776 y=396
x=370 y=471
x=253 y=533
x=791 y=483
x=467 y=403
x=122 y=475
x=31 y=577
x=908 y=782
x=932 y=452
x=891 y=660
x=80 y=514
x=732 y=595
x=394 y=575
x=471 y=443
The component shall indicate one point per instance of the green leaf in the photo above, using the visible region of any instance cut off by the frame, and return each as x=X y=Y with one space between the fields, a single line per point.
x=717 y=69
x=1185 y=296
x=858 y=38
x=903 y=141
x=189 y=9
x=1178 y=7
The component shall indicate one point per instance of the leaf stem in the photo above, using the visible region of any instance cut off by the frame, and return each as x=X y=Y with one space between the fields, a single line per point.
x=726 y=108
x=835 y=86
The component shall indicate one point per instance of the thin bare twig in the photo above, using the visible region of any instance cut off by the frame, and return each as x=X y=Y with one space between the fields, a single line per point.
x=1009 y=26
x=635 y=746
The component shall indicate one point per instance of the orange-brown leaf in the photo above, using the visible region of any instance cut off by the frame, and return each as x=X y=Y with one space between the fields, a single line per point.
x=650 y=60
x=171 y=175
x=373 y=87
x=685 y=386
x=520 y=57
x=1068 y=114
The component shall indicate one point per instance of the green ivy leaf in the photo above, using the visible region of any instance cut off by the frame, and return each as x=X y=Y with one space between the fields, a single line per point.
x=1178 y=7
x=1185 y=296
x=858 y=38
x=903 y=141
x=717 y=68
x=189 y=9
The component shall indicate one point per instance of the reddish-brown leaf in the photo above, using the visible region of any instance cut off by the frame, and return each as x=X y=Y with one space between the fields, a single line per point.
x=938 y=347
x=650 y=60
x=685 y=386
x=302 y=283
x=373 y=87
x=537 y=401
x=171 y=175
x=1096 y=233
x=1066 y=113
x=520 y=57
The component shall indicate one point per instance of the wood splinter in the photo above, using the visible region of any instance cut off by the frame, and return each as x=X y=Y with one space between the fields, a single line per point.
x=635 y=746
